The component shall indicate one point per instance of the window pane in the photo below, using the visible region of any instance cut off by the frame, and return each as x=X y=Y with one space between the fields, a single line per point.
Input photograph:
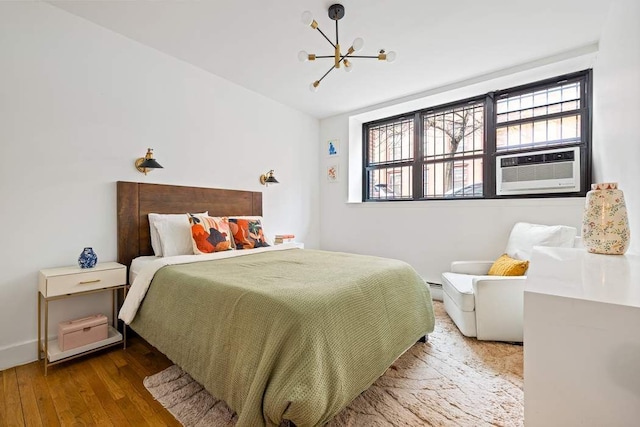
x=540 y=133
x=513 y=137
x=501 y=137
x=391 y=183
x=391 y=142
x=455 y=132
x=571 y=127
x=555 y=99
x=553 y=130
x=453 y=179
x=526 y=134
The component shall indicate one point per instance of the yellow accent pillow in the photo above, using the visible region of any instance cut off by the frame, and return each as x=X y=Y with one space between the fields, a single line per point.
x=507 y=266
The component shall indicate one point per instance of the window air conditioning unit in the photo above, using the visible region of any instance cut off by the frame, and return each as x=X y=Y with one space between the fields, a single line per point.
x=548 y=171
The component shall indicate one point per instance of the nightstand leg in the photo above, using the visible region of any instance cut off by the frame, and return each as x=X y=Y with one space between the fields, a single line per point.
x=114 y=296
x=39 y=328
x=46 y=336
x=124 y=325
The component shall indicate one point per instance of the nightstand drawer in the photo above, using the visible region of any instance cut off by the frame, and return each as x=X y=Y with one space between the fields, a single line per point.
x=82 y=280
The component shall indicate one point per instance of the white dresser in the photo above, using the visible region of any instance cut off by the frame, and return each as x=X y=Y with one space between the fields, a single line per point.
x=582 y=339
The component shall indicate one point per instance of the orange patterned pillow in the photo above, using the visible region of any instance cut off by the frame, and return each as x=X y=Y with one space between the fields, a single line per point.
x=209 y=234
x=507 y=266
x=247 y=233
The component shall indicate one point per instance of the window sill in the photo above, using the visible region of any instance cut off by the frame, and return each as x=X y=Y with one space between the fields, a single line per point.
x=474 y=203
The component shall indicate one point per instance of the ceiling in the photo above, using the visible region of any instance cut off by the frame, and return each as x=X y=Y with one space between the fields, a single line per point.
x=254 y=43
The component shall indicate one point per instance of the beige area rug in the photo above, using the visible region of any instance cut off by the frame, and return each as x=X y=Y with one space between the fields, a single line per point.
x=450 y=381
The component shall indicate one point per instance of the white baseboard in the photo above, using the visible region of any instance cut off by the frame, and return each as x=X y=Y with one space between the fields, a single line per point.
x=18 y=354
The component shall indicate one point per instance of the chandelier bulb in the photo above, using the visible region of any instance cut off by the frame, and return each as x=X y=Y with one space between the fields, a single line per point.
x=391 y=56
x=303 y=56
x=357 y=44
x=313 y=87
x=348 y=66
x=307 y=18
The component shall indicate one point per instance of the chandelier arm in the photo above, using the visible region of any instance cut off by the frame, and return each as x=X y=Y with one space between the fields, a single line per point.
x=358 y=56
x=347 y=55
x=325 y=56
x=325 y=74
x=325 y=36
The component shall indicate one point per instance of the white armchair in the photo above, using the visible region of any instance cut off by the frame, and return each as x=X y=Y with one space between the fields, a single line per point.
x=491 y=307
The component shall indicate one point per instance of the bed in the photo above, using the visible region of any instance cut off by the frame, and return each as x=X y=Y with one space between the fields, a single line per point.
x=278 y=333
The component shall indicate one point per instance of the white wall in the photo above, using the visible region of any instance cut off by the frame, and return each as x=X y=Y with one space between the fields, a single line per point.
x=617 y=108
x=78 y=104
x=431 y=234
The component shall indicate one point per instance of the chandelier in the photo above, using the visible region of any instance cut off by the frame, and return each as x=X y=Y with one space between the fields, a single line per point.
x=336 y=12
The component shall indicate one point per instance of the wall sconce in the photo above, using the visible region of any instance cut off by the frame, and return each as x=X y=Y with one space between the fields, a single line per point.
x=143 y=164
x=268 y=178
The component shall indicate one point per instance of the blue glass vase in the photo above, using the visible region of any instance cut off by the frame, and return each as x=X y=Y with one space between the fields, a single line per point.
x=88 y=258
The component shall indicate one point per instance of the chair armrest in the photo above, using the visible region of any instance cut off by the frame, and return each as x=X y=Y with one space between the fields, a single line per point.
x=503 y=284
x=476 y=268
x=499 y=307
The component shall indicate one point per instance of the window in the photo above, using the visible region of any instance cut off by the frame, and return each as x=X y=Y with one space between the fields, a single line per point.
x=390 y=156
x=452 y=147
x=450 y=151
x=540 y=117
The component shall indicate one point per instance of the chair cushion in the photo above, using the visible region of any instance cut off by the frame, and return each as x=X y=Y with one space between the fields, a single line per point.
x=525 y=236
x=459 y=287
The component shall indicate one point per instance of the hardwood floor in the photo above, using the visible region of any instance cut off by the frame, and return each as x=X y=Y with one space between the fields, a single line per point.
x=102 y=389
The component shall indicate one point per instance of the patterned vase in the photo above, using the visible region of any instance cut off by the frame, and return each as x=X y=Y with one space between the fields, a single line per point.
x=605 y=226
x=87 y=258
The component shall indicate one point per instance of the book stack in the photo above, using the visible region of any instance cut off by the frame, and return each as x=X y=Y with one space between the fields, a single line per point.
x=284 y=238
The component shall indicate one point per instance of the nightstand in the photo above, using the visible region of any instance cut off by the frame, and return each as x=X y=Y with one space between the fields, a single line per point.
x=66 y=282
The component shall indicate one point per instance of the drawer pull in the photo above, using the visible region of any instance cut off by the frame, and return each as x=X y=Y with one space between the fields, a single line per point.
x=89 y=281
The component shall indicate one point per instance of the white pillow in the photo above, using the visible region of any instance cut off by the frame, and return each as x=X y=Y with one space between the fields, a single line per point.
x=525 y=236
x=175 y=237
x=154 y=218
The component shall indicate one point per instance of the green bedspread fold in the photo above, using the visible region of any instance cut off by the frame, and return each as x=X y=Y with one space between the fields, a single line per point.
x=286 y=335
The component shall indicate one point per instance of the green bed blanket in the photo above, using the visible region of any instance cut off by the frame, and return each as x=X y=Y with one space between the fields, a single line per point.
x=286 y=335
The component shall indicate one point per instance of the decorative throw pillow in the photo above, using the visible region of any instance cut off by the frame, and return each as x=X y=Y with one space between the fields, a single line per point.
x=265 y=227
x=247 y=233
x=507 y=266
x=209 y=234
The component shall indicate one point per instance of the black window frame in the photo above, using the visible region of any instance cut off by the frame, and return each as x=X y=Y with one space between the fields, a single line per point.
x=490 y=100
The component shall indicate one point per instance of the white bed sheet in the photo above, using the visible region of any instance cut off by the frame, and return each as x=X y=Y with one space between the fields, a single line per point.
x=143 y=279
x=138 y=264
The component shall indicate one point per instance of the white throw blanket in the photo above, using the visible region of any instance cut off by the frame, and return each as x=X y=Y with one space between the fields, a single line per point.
x=142 y=281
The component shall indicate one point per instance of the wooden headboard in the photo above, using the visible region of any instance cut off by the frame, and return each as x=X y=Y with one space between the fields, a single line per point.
x=136 y=200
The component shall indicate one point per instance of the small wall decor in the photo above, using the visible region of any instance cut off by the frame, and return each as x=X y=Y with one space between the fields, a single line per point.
x=332 y=173
x=87 y=258
x=605 y=225
x=333 y=147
